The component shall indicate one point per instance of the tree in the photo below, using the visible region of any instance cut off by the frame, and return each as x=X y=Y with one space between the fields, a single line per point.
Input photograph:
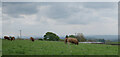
x=108 y=42
x=66 y=36
x=51 y=36
x=80 y=37
x=90 y=40
x=102 y=40
x=72 y=36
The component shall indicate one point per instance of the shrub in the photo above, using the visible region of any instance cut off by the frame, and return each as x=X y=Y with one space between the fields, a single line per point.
x=40 y=39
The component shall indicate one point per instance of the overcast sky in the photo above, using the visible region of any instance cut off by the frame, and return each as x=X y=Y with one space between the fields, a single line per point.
x=0 y=19
x=62 y=18
x=60 y=0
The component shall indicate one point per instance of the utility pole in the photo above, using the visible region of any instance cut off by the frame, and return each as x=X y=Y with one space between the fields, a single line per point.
x=20 y=36
x=20 y=33
x=75 y=34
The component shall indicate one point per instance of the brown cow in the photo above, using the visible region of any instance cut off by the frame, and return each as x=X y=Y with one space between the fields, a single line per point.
x=12 y=38
x=31 y=38
x=71 y=40
x=6 y=37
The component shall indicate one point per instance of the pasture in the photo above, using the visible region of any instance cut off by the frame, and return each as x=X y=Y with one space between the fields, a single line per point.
x=0 y=47
x=27 y=47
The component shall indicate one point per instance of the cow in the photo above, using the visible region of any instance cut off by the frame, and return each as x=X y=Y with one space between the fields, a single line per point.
x=31 y=38
x=6 y=38
x=12 y=38
x=71 y=40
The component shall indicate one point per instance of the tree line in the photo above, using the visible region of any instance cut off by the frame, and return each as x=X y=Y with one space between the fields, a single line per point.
x=53 y=37
x=50 y=36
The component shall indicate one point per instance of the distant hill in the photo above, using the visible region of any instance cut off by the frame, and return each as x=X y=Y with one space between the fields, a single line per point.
x=106 y=37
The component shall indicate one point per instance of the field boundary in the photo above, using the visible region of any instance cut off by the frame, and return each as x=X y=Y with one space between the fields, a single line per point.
x=59 y=56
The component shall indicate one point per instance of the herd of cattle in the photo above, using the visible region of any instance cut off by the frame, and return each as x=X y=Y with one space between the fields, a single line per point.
x=13 y=38
x=67 y=39
x=9 y=38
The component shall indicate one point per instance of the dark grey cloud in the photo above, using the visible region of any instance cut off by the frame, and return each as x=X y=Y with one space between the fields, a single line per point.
x=67 y=12
x=15 y=9
x=62 y=10
x=0 y=3
x=57 y=10
x=80 y=13
x=63 y=18
x=100 y=5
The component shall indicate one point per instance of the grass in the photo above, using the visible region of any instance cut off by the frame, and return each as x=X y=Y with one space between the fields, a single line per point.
x=0 y=47
x=27 y=47
x=115 y=42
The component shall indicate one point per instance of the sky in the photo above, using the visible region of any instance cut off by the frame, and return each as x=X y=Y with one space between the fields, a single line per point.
x=0 y=19
x=60 y=0
x=62 y=18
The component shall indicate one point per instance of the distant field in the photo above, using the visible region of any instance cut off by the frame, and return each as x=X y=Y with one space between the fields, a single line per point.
x=115 y=43
x=27 y=47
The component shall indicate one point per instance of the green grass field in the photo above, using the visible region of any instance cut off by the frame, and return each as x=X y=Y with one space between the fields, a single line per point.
x=27 y=47
x=115 y=42
x=0 y=47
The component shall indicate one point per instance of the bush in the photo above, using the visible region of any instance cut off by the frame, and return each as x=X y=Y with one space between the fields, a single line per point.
x=108 y=42
x=40 y=39
x=80 y=37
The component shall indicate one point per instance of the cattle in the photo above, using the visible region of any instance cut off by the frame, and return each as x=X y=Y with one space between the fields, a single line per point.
x=12 y=38
x=6 y=38
x=31 y=38
x=71 y=40
x=9 y=38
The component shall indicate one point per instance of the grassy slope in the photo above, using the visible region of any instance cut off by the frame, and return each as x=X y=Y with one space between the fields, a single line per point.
x=0 y=47
x=55 y=48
